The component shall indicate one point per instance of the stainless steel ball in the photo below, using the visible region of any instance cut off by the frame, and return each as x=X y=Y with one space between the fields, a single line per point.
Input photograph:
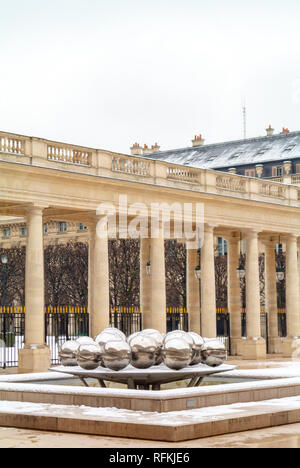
x=177 y=353
x=143 y=350
x=180 y=335
x=68 y=352
x=85 y=340
x=197 y=348
x=155 y=334
x=115 y=331
x=116 y=355
x=106 y=337
x=132 y=336
x=213 y=353
x=173 y=334
x=159 y=339
x=89 y=356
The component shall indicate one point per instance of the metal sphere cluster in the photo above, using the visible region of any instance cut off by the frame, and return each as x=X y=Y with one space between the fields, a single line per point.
x=111 y=349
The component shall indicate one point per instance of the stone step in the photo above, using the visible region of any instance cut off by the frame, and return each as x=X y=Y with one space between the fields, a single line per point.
x=171 y=427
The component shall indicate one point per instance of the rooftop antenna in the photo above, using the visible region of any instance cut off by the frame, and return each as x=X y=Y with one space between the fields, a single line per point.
x=245 y=120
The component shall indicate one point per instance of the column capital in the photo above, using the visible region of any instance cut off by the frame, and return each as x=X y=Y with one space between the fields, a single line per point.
x=292 y=237
x=36 y=208
x=210 y=227
x=252 y=233
x=233 y=238
x=270 y=243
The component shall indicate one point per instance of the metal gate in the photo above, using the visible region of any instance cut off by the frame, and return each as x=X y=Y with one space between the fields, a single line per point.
x=12 y=331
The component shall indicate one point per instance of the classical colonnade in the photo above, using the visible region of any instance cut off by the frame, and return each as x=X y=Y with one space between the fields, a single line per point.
x=36 y=355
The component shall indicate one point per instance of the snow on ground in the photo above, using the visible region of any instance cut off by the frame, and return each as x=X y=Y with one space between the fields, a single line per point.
x=286 y=370
x=175 y=418
x=161 y=395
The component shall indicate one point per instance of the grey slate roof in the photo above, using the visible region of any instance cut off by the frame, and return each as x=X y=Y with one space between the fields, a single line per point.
x=282 y=147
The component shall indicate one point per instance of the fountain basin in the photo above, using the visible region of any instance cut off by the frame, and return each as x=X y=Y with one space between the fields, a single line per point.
x=144 y=378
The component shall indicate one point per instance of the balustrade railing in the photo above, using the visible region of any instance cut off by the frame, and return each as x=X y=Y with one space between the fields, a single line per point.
x=131 y=166
x=233 y=184
x=68 y=155
x=272 y=190
x=182 y=174
x=296 y=179
x=11 y=145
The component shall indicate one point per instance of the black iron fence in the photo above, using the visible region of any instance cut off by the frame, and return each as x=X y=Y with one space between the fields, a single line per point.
x=12 y=330
x=63 y=324
x=177 y=319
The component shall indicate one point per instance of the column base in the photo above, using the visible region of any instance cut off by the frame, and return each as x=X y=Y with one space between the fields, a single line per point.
x=236 y=346
x=254 y=349
x=275 y=345
x=34 y=359
x=291 y=347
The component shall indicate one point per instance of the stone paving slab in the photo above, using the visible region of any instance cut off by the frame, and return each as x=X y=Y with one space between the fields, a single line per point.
x=172 y=427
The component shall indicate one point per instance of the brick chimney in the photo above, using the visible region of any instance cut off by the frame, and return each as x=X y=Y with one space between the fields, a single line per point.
x=147 y=150
x=285 y=130
x=198 y=140
x=155 y=148
x=136 y=150
x=270 y=131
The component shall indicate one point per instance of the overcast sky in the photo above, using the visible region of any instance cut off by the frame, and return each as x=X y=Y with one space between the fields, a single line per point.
x=107 y=73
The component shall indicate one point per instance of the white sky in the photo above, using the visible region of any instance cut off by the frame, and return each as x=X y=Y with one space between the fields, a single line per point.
x=107 y=73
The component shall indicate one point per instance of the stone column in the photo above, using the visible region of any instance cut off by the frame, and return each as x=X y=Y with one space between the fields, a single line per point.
x=292 y=297
x=254 y=347
x=208 y=285
x=99 y=316
x=35 y=357
x=271 y=298
x=193 y=291
x=234 y=295
x=92 y=234
x=145 y=284
x=158 y=282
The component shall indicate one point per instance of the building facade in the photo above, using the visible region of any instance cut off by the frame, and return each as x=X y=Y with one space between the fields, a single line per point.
x=45 y=182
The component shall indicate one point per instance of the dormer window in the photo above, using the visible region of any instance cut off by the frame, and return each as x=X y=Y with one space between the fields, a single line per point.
x=261 y=151
x=236 y=155
x=289 y=148
x=277 y=171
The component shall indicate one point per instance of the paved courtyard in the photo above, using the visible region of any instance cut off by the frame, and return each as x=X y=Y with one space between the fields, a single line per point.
x=287 y=436
x=278 y=437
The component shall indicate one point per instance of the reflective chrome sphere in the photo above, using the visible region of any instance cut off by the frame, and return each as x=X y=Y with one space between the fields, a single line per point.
x=159 y=339
x=132 y=336
x=178 y=334
x=155 y=334
x=85 y=340
x=177 y=353
x=213 y=353
x=173 y=334
x=89 y=356
x=115 y=331
x=116 y=355
x=106 y=337
x=197 y=348
x=68 y=352
x=143 y=350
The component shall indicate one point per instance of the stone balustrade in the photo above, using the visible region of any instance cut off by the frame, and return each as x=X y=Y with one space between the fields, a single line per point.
x=182 y=174
x=231 y=183
x=11 y=145
x=68 y=154
x=41 y=152
x=130 y=165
